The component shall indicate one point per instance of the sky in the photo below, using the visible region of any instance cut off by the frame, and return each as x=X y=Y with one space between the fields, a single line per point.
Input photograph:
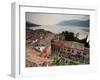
x=52 y=19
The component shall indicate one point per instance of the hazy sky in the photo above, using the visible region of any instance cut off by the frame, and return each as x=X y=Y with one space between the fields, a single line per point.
x=51 y=19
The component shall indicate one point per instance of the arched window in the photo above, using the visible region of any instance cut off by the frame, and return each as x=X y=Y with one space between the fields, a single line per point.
x=72 y=51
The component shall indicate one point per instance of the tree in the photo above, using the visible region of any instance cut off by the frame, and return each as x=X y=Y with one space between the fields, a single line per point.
x=69 y=36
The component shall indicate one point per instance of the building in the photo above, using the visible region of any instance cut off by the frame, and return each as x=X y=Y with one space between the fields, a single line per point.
x=59 y=37
x=40 y=45
x=67 y=47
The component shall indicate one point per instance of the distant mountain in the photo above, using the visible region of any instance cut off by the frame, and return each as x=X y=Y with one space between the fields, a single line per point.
x=29 y=24
x=79 y=23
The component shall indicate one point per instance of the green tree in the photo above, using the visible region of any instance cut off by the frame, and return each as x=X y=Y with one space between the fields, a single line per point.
x=69 y=36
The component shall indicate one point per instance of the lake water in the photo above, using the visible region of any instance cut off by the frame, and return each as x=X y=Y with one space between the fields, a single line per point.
x=83 y=31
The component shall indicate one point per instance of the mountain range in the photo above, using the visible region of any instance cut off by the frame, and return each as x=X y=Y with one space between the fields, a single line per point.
x=29 y=24
x=80 y=23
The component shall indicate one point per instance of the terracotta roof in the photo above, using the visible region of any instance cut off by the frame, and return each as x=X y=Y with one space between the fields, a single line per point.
x=70 y=44
x=37 y=59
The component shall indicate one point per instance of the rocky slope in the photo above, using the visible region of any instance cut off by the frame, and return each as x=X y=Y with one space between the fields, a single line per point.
x=39 y=34
x=34 y=38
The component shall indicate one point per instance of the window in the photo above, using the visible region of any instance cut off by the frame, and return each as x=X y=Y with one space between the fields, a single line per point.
x=72 y=51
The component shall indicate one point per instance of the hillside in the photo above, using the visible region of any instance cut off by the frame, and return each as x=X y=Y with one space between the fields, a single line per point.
x=39 y=34
x=37 y=38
